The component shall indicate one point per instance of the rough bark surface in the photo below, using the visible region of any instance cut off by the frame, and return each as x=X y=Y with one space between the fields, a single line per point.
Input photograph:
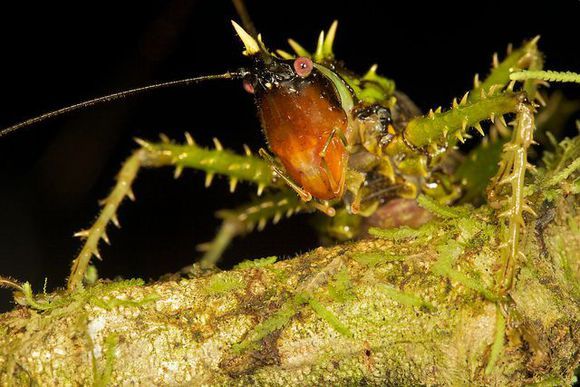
x=402 y=310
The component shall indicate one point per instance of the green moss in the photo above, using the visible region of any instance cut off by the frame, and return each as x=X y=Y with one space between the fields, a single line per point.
x=374 y=258
x=497 y=346
x=115 y=302
x=224 y=283
x=441 y=210
x=92 y=275
x=329 y=317
x=403 y=232
x=256 y=263
x=404 y=298
x=103 y=378
x=280 y=318
x=448 y=253
x=340 y=288
x=468 y=228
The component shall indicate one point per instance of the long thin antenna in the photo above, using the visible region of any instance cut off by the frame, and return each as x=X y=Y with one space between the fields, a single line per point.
x=119 y=95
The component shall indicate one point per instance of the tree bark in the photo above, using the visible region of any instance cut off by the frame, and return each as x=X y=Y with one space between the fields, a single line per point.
x=405 y=309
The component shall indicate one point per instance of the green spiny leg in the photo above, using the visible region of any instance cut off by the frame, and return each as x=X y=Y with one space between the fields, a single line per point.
x=220 y=161
x=509 y=183
x=244 y=219
x=489 y=99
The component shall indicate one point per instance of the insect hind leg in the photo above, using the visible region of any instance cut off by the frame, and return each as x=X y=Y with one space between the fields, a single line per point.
x=247 y=218
x=213 y=161
x=108 y=214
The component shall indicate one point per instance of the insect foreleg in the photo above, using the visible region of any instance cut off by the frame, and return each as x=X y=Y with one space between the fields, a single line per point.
x=305 y=196
x=212 y=161
x=246 y=218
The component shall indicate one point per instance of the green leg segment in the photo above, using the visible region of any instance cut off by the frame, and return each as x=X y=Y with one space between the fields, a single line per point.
x=246 y=218
x=213 y=161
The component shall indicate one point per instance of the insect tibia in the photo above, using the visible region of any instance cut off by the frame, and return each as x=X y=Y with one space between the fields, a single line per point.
x=439 y=128
x=525 y=57
x=214 y=161
x=244 y=219
x=268 y=208
x=506 y=192
x=97 y=231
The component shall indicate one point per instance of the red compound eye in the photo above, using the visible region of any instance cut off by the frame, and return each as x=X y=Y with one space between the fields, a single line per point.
x=248 y=86
x=303 y=66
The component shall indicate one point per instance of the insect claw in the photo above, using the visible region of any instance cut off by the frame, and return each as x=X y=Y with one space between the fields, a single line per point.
x=454 y=103
x=188 y=139
x=492 y=118
x=247 y=150
x=478 y=127
x=459 y=136
x=464 y=99
x=463 y=126
x=178 y=171
x=233 y=184
x=218 y=144
x=535 y=40
x=260 y=189
x=495 y=60
x=82 y=234
x=509 y=48
x=105 y=237
x=277 y=217
x=438 y=110
x=431 y=114
x=208 y=179
x=97 y=254
x=131 y=195
x=482 y=94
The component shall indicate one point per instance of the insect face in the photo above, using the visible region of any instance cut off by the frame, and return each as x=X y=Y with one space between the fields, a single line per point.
x=304 y=122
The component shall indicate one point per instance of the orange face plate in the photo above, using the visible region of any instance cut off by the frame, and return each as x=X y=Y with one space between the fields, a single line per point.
x=298 y=121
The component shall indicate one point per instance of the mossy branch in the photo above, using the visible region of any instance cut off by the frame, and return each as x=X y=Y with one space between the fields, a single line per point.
x=418 y=309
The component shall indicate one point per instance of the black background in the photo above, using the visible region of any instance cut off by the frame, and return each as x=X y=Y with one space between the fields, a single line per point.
x=55 y=54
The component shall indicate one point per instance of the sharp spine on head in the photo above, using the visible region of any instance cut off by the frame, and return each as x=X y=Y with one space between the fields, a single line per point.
x=249 y=42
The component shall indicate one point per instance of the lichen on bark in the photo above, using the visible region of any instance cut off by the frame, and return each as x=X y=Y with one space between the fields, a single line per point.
x=331 y=316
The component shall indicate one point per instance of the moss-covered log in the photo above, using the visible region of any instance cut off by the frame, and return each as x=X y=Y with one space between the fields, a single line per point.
x=403 y=308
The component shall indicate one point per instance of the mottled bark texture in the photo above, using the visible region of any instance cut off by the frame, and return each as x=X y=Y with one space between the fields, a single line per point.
x=403 y=308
